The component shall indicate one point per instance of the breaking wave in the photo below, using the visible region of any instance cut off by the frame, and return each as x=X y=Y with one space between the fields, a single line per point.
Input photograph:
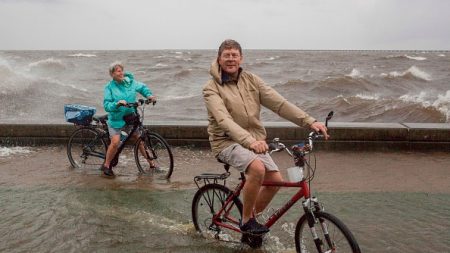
x=412 y=73
x=355 y=74
x=50 y=64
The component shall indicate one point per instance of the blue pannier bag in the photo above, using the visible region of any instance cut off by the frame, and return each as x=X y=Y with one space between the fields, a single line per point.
x=79 y=114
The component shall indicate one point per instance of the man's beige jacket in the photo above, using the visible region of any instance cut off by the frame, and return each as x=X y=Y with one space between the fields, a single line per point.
x=234 y=109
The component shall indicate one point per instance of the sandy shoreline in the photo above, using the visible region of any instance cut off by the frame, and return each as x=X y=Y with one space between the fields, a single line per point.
x=336 y=171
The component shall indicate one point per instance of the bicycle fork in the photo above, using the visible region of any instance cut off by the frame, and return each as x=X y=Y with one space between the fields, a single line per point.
x=311 y=218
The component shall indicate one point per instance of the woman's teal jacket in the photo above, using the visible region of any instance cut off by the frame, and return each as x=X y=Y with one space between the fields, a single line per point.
x=126 y=90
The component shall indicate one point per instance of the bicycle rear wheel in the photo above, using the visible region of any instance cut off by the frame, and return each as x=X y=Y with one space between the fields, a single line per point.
x=208 y=200
x=86 y=149
x=333 y=235
x=156 y=149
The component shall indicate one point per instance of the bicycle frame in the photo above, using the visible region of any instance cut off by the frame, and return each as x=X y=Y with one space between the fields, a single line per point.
x=94 y=153
x=302 y=192
x=227 y=210
x=136 y=126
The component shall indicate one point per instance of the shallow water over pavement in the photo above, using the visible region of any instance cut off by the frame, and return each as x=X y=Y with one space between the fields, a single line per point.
x=58 y=209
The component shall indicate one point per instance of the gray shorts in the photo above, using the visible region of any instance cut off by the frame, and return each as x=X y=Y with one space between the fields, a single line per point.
x=240 y=158
x=116 y=131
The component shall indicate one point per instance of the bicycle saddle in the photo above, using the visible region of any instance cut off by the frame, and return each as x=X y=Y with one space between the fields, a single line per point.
x=226 y=166
x=101 y=118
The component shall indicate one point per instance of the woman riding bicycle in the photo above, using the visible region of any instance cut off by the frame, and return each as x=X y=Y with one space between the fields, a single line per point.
x=233 y=98
x=118 y=92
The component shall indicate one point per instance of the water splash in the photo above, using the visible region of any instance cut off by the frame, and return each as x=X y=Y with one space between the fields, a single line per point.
x=6 y=151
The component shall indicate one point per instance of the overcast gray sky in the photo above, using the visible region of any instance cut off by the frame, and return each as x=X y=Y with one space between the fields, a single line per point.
x=203 y=24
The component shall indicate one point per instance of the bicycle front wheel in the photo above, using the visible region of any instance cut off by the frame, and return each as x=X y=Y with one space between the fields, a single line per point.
x=153 y=155
x=86 y=149
x=208 y=200
x=332 y=235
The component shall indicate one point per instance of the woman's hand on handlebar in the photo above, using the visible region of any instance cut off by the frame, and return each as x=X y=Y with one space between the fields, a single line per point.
x=320 y=128
x=151 y=99
x=121 y=103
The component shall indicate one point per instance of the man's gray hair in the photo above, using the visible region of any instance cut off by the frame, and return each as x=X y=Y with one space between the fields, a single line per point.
x=113 y=66
x=229 y=44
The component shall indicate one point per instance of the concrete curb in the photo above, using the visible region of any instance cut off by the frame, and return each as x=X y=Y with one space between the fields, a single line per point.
x=345 y=135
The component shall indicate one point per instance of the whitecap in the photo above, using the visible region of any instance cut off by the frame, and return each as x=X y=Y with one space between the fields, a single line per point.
x=417 y=58
x=47 y=62
x=355 y=74
x=416 y=72
x=268 y=59
x=442 y=103
x=368 y=96
x=6 y=151
x=160 y=65
x=405 y=56
x=172 y=97
x=417 y=99
x=441 y=55
x=12 y=79
x=82 y=55
x=412 y=71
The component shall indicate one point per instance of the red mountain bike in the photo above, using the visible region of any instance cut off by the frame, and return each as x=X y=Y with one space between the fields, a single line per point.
x=217 y=210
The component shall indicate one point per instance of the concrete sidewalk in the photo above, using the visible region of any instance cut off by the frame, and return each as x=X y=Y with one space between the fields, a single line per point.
x=336 y=171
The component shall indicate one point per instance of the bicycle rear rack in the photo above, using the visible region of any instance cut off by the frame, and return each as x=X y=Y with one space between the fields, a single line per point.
x=210 y=178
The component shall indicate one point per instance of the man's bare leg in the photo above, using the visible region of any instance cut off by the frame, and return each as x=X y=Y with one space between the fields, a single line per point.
x=254 y=178
x=266 y=193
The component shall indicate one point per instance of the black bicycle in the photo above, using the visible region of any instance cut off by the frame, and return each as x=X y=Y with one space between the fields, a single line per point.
x=88 y=144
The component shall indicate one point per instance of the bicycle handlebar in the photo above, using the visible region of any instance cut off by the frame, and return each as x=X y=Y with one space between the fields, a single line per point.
x=139 y=103
x=277 y=146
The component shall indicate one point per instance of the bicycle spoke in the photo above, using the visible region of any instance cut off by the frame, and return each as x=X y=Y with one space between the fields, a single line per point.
x=206 y=205
x=86 y=149
x=332 y=234
x=153 y=155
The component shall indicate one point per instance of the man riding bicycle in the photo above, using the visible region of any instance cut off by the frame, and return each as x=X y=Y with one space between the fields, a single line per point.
x=118 y=92
x=233 y=99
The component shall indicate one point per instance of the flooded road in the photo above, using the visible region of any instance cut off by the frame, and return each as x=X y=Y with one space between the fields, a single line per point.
x=392 y=202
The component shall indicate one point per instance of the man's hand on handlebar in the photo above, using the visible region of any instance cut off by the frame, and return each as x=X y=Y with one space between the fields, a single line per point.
x=259 y=147
x=320 y=128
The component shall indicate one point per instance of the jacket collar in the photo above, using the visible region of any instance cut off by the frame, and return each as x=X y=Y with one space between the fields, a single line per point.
x=219 y=76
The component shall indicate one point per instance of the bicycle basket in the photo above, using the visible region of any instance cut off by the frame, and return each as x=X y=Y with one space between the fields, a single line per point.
x=79 y=114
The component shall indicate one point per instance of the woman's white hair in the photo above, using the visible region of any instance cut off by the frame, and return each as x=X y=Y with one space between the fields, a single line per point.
x=113 y=66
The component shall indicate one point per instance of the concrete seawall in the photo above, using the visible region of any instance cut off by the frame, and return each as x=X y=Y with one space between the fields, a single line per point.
x=348 y=136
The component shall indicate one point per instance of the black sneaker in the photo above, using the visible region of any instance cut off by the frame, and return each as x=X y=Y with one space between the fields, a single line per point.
x=107 y=171
x=253 y=227
x=254 y=241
